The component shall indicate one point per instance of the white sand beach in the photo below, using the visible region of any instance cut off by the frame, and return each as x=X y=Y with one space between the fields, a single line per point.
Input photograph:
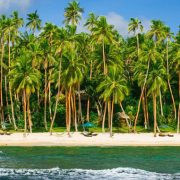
x=77 y=139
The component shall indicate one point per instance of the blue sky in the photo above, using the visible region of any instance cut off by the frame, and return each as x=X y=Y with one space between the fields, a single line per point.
x=118 y=12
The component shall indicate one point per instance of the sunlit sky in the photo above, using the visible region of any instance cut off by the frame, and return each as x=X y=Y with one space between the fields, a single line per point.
x=118 y=12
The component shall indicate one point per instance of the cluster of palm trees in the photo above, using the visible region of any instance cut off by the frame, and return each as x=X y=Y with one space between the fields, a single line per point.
x=98 y=72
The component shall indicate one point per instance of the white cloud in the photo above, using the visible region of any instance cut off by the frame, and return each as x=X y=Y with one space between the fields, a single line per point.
x=81 y=27
x=121 y=24
x=146 y=24
x=9 y=4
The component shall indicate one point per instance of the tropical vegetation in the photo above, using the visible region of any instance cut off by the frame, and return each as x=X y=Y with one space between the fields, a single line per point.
x=53 y=76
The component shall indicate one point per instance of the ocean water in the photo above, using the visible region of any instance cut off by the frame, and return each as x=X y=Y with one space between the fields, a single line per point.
x=85 y=163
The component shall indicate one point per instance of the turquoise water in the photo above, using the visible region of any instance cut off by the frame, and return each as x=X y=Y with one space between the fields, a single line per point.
x=90 y=163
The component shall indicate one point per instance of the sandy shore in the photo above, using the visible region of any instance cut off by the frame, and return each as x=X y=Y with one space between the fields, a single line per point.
x=77 y=139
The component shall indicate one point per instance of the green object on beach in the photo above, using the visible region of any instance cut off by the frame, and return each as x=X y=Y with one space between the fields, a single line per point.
x=88 y=125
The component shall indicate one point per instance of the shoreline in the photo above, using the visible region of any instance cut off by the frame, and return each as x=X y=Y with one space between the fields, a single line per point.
x=77 y=140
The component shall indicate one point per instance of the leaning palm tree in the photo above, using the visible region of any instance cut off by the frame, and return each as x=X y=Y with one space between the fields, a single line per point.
x=148 y=54
x=73 y=13
x=156 y=81
x=113 y=90
x=135 y=26
x=34 y=22
x=24 y=79
x=169 y=35
x=61 y=44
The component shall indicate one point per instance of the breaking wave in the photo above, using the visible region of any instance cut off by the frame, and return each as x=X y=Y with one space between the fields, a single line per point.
x=82 y=174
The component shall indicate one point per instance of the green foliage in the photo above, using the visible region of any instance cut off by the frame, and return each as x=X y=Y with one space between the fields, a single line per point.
x=62 y=70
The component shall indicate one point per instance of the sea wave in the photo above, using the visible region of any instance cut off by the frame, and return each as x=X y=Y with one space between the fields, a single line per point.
x=82 y=174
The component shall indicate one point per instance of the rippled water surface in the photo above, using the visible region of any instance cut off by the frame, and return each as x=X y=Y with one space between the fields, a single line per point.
x=90 y=163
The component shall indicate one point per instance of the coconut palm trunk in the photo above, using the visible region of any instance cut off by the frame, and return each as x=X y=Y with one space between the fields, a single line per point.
x=79 y=104
x=68 y=111
x=88 y=102
x=72 y=110
x=104 y=59
x=69 y=102
x=144 y=110
x=137 y=38
x=7 y=103
x=112 y=111
x=58 y=94
x=10 y=91
x=168 y=80
x=50 y=111
x=25 y=110
x=109 y=114
x=12 y=108
x=154 y=113
x=178 y=123
x=146 y=107
x=104 y=117
x=141 y=96
x=88 y=108
x=75 y=113
x=29 y=113
x=1 y=79
x=160 y=100
x=45 y=97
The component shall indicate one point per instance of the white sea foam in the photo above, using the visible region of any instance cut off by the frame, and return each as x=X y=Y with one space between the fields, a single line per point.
x=81 y=174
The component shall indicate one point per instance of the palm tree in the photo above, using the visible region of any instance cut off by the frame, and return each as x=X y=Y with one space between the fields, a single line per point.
x=73 y=13
x=156 y=81
x=84 y=50
x=34 y=22
x=46 y=55
x=114 y=90
x=72 y=17
x=157 y=31
x=135 y=26
x=175 y=55
x=90 y=24
x=25 y=79
x=168 y=39
x=158 y=34
x=61 y=43
x=12 y=25
x=17 y=23
x=72 y=76
x=102 y=33
x=49 y=33
x=3 y=30
x=148 y=54
x=91 y=21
